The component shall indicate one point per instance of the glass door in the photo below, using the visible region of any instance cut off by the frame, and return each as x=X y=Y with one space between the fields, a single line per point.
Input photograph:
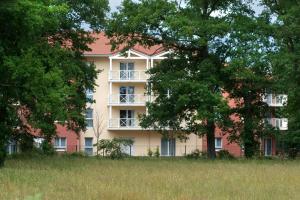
x=168 y=147
x=268 y=147
x=126 y=94
x=126 y=71
x=126 y=118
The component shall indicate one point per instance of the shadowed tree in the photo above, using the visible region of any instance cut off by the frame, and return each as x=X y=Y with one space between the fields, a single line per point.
x=191 y=75
x=286 y=63
x=41 y=63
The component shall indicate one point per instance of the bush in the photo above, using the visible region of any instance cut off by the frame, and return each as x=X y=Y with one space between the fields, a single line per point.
x=75 y=154
x=47 y=148
x=194 y=154
x=150 y=152
x=292 y=153
x=224 y=154
x=156 y=152
x=112 y=148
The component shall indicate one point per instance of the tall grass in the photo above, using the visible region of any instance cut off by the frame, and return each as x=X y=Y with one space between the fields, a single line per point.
x=57 y=178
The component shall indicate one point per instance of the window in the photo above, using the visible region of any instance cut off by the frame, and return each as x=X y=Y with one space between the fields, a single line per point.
x=89 y=117
x=89 y=94
x=168 y=147
x=126 y=71
x=127 y=118
x=268 y=146
x=218 y=143
x=11 y=147
x=60 y=143
x=126 y=94
x=88 y=146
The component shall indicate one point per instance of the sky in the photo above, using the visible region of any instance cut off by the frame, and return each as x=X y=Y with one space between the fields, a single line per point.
x=115 y=3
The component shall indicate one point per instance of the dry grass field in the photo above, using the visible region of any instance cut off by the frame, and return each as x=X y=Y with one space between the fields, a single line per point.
x=59 y=178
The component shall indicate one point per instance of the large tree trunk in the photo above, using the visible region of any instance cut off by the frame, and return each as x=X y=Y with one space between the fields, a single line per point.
x=250 y=145
x=211 y=151
x=2 y=154
x=3 y=135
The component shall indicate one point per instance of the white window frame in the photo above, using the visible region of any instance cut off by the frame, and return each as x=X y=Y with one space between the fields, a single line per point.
x=88 y=147
x=89 y=94
x=216 y=146
x=89 y=118
x=60 y=147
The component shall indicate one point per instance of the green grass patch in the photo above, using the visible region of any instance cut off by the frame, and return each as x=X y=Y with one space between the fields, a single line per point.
x=72 y=178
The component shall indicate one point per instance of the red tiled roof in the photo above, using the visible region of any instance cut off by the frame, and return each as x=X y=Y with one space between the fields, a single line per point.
x=102 y=46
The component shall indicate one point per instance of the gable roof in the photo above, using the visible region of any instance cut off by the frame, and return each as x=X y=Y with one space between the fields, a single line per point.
x=102 y=46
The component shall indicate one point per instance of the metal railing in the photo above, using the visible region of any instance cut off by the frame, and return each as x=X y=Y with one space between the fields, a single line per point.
x=127 y=99
x=124 y=123
x=280 y=123
x=127 y=75
x=275 y=99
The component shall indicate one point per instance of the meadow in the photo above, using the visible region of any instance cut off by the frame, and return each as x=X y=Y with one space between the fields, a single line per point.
x=72 y=178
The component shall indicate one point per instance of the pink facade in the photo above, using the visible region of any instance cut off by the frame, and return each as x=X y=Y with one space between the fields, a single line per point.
x=71 y=138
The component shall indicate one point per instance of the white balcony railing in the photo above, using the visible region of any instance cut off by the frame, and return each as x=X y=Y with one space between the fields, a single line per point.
x=127 y=75
x=124 y=123
x=280 y=123
x=128 y=99
x=275 y=100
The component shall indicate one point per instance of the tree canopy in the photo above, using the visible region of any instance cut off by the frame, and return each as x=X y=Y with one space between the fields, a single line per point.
x=194 y=33
x=43 y=73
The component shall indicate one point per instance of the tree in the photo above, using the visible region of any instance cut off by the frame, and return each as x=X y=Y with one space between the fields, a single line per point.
x=41 y=64
x=192 y=73
x=286 y=62
x=248 y=76
x=113 y=148
x=98 y=127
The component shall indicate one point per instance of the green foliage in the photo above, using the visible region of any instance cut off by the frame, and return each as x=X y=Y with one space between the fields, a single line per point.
x=75 y=155
x=196 y=154
x=156 y=152
x=150 y=152
x=43 y=73
x=224 y=154
x=286 y=63
x=112 y=148
x=47 y=148
x=191 y=75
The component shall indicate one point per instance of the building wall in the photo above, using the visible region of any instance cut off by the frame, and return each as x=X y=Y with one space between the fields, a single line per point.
x=143 y=139
x=72 y=139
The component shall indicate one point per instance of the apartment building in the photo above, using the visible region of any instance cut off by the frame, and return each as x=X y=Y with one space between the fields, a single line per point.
x=121 y=97
x=275 y=101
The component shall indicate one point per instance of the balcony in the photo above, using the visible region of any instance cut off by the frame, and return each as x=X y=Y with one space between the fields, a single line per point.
x=280 y=123
x=128 y=76
x=275 y=100
x=127 y=100
x=124 y=124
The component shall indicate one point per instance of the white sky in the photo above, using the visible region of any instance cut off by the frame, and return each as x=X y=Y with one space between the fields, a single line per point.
x=115 y=3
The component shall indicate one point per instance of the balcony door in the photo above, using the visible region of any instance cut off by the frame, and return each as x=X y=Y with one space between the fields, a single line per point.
x=168 y=147
x=126 y=71
x=126 y=118
x=126 y=94
x=268 y=146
